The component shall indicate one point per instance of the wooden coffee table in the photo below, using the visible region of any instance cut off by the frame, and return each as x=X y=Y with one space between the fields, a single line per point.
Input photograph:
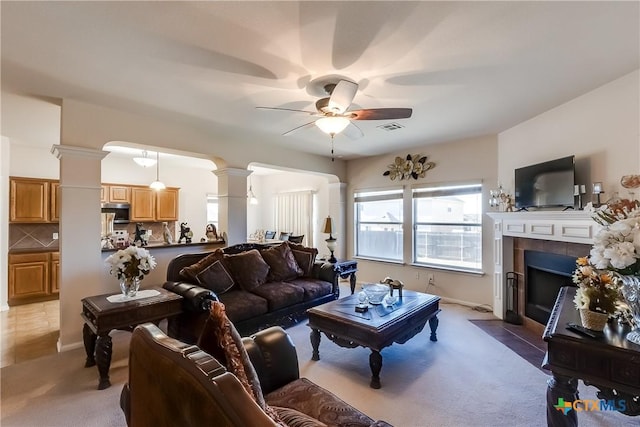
x=101 y=317
x=377 y=328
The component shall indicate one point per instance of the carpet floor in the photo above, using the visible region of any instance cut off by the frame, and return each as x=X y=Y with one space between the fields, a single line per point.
x=466 y=378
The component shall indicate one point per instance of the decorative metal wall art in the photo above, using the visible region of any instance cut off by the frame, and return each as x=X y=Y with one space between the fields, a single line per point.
x=413 y=166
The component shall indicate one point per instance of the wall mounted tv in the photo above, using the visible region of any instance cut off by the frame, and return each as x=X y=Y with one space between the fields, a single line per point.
x=546 y=185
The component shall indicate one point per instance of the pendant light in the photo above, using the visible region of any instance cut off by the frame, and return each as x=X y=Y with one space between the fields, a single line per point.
x=253 y=200
x=144 y=161
x=157 y=184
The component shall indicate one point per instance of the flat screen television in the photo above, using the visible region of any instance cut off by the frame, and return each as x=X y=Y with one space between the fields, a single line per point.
x=545 y=185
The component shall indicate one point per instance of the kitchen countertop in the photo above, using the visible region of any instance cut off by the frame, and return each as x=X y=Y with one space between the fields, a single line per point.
x=153 y=246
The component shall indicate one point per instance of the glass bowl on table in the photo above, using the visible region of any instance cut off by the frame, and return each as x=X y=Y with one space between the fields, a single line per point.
x=375 y=292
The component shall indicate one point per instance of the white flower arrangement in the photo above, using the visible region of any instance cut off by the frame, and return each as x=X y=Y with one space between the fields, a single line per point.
x=615 y=252
x=131 y=262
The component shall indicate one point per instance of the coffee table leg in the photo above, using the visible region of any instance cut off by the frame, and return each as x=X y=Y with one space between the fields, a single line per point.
x=315 y=343
x=89 y=339
x=103 y=360
x=375 y=362
x=433 y=325
x=352 y=282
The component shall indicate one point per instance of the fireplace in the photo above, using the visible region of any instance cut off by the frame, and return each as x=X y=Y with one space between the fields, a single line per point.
x=544 y=274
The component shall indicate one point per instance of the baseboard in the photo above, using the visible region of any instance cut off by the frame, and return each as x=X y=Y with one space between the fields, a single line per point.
x=447 y=300
x=67 y=347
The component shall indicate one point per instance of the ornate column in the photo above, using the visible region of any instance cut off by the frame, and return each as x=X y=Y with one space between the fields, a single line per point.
x=80 y=176
x=232 y=203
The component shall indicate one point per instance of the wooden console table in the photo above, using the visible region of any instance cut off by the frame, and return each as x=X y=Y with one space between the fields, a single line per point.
x=101 y=317
x=610 y=363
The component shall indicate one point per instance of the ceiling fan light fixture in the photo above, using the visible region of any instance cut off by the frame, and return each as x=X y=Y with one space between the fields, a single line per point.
x=332 y=125
x=144 y=161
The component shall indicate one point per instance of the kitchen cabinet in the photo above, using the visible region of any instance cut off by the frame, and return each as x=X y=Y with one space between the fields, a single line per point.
x=148 y=205
x=115 y=193
x=29 y=200
x=54 y=207
x=33 y=277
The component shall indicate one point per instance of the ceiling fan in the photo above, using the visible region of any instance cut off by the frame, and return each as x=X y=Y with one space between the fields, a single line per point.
x=334 y=116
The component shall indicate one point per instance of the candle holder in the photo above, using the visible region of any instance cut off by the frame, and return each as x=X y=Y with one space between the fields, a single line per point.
x=597 y=190
x=579 y=190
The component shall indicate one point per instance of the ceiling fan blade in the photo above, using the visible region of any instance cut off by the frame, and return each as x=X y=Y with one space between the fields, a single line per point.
x=296 y=129
x=381 y=113
x=353 y=131
x=342 y=96
x=288 y=109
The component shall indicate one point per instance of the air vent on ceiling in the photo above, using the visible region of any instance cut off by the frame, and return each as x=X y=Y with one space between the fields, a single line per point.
x=390 y=126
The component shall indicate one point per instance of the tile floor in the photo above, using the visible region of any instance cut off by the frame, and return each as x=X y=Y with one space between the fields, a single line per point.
x=29 y=331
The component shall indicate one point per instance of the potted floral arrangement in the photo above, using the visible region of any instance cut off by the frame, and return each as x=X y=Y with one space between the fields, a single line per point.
x=613 y=265
x=130 y=265
x=597 y=296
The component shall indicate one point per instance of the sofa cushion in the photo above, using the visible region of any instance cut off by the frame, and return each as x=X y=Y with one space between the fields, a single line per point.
x=241 y=305
x=282 y=264
x=248 y=268
x=293 y=418
x=316 y=402
x=189 y=273
x=313 y=288
x=280 y=294
x=216 y=278
x=304 y=256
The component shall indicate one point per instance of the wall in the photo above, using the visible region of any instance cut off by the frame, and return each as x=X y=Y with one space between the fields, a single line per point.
x=601 y=128
x=471 y=159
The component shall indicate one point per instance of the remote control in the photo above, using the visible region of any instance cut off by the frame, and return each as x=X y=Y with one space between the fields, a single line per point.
x=583 y=331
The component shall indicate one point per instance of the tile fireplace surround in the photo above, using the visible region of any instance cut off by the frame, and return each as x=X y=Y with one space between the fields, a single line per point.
x=561 y=232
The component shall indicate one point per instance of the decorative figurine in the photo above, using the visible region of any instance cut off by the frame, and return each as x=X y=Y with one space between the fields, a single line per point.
x=141 y=235
x=166 y=234
x=211 y=233
x=185 y=233
x=393 y=284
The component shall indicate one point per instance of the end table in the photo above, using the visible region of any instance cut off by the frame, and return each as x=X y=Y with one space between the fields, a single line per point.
x=347 y=268
x=101 y=317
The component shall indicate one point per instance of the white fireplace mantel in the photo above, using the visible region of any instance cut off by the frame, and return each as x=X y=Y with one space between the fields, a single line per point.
x=562 y=226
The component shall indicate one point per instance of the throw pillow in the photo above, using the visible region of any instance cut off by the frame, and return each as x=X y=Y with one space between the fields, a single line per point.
x=189 y=273
x=248 y=269
x=282 y=264
x=294 y=418
x=220 y=339
x=216 y=278
x=304 y=256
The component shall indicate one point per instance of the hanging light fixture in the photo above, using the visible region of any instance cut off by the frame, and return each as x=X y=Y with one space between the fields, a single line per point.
x=144 y=161
x=332 y=125
x=253 y=200
x=157 y=184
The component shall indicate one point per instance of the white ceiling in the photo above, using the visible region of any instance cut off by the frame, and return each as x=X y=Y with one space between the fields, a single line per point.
x=466 y=68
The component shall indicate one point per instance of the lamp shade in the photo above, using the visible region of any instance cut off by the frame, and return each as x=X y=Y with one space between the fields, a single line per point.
x=328 y=226
x=332 y=125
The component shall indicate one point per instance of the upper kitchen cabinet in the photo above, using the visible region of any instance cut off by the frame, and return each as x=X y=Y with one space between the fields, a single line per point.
x=30 y=200
x=148 y=205
x=167 y=204
x=115 y=193
x=54 y=206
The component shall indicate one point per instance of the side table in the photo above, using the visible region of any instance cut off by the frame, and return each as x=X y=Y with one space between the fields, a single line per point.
x=347 y=268
x=101 y=317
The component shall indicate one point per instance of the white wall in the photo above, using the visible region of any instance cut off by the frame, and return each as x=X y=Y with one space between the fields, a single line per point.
x=471 y=159
x=261 y=216
x=601 y=128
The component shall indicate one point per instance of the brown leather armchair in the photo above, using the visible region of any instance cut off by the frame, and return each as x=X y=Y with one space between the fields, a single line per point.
x=175 y=384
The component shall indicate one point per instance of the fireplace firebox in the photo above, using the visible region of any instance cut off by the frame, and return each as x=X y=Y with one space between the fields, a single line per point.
x=545 y=274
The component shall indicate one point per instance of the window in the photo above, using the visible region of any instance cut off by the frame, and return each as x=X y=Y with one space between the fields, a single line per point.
x=378 y=224
x=448 y=226
x=212 y=210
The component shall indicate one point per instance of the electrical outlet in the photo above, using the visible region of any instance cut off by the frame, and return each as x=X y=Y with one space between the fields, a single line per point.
x=149 y=232
x=417 y=275
x=430 y=280
x=55 y=236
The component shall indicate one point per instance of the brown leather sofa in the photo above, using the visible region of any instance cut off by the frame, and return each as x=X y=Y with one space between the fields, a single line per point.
x=278 y=302
x=175 y=384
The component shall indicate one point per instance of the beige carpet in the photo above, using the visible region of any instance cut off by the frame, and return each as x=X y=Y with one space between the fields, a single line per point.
x=465 y=379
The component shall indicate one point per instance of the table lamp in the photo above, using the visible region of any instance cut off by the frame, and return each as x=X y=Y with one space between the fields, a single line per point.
x=331 y=241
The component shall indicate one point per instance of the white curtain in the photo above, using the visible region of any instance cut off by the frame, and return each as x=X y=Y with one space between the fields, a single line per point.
x=294 y=214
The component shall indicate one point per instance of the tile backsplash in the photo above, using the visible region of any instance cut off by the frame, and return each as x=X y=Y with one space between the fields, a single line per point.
x=33 y=236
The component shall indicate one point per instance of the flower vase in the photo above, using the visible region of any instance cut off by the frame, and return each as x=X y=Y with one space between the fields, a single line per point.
x=129 y=286
x=631 y=293
x=593 y=320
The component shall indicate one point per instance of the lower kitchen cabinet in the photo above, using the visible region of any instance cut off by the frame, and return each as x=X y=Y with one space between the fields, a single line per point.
x=33 y=277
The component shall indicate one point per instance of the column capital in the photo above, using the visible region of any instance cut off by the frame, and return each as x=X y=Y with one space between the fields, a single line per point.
x=232 y=172
x=61 y=151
